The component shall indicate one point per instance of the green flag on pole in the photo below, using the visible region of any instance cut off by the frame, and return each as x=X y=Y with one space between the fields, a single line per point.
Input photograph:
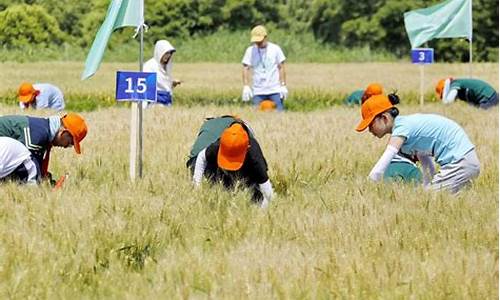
x=121 y=13
x=452 y=18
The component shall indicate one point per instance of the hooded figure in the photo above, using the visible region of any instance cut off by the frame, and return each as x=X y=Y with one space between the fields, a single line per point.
x=162 y=65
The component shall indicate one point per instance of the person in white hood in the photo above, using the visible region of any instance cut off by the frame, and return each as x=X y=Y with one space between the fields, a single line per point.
x=162 y=64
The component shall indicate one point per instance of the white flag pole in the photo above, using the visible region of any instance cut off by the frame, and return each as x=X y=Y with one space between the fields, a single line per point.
x=421 y=85
x=136 y=132
x=470 y=40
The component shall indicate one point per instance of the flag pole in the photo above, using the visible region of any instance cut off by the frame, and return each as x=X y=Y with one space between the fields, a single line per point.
x=136 y=132
x=470 y=40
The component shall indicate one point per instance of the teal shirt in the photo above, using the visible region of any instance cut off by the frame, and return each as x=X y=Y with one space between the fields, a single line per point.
x=434 y=135
x=354 y=98
x=403 y=171
x=474 y=91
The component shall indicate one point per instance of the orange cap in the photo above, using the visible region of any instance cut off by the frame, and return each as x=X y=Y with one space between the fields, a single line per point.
x=371 y=108
x=75 y=124
x=267 y=105
x=26 y=92
x=233 y=147
x=372 y=90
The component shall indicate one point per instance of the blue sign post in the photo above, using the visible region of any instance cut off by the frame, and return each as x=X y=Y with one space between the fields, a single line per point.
x=421 y=57
x=135 y=86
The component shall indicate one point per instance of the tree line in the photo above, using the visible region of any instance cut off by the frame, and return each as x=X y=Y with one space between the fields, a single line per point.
x=376 y=24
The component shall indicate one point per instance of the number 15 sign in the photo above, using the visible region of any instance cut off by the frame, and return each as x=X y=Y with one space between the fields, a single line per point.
x=135 y=86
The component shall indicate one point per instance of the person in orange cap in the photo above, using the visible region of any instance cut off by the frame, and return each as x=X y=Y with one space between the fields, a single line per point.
x=39 y=135
x=234 y=156
x=428 y=137
x=267 y=105
x=267 y=62
x=40 y=96
x=371 y=90
x=359 y=96
x=473 y=91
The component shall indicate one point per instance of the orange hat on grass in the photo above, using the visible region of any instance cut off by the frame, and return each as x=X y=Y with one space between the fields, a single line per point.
x=26 y=92
x=267 y=105
x=371 y=108
x=75 y=124
x=372 y=90
x=233 y=147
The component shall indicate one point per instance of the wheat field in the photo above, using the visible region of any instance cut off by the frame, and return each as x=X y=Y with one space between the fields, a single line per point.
x=329 y=232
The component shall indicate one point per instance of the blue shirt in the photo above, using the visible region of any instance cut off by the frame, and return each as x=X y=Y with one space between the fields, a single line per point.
x=433 y=135
x=50 y=96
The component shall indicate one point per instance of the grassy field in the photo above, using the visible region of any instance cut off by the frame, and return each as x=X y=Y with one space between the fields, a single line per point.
x=311 y=86
x=329 y=233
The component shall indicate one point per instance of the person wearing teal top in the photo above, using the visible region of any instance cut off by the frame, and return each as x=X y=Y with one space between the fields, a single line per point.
x=354 y=98
x=427 y=137
x=473 y=91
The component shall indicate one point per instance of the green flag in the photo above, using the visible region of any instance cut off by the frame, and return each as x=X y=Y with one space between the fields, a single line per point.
x=121 y=13
x=452 y=18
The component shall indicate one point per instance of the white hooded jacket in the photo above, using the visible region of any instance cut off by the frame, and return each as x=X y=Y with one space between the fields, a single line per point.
x=163 y=72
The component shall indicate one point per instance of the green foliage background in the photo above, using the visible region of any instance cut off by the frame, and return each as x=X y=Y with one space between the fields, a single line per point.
x=332 y=25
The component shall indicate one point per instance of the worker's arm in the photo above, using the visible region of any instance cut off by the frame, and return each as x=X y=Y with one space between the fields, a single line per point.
x=33 y=172
x=267 y=192
x=377 y=173
x=450 y=96
x=199 y=167
x=427 y=167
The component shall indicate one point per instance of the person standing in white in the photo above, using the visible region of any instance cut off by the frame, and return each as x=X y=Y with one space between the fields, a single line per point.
x=267 y=62
x=16 y=162
x=162 y=64
x=40 y=96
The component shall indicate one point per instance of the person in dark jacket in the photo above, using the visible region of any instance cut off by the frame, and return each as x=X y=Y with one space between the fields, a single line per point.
x=39 y=135
x=226 y=151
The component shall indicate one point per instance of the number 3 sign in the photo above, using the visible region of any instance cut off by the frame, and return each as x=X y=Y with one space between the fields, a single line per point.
x=135 y=86
x=422 y=56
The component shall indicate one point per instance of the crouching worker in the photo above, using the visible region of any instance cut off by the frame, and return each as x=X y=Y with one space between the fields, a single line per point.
x=425 y=136
x=40 y=96
x=473 y=91
x=226 y=151
x=17 y=163
x=39 y=135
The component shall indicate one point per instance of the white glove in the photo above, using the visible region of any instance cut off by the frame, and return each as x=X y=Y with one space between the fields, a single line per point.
x=247 y=93
x=283 y=92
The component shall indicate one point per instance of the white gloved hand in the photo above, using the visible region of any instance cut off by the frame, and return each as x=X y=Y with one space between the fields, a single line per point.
x=283 y=92
x=264 y=204
x=247 y=93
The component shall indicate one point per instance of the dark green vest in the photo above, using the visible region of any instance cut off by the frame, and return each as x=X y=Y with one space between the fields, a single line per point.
x=210 y=131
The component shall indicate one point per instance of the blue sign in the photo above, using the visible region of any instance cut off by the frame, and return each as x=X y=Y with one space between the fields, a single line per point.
x=135 y=86
x=422 y=55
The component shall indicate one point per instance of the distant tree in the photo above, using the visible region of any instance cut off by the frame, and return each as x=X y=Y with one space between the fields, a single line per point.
x=24 y=25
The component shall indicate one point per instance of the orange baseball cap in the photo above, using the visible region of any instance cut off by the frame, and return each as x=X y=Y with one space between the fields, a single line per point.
x=371 y=108
x=372 y=90
x=440 y=87
x=26 y=92
x=258 y=34
x=267 y=105
x=75 y=124
x=233 y=147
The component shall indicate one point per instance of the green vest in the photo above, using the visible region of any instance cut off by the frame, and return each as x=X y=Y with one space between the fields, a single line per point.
x=210 y=131
x=14 y=127
x=403 y=171
x=474 y=91
x=354 y=98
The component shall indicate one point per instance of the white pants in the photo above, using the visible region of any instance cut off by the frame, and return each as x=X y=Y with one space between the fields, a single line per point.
x=454 y=176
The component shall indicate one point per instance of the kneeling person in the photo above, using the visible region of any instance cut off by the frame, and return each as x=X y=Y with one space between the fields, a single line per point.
x=16 y=162
x=235 y=156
